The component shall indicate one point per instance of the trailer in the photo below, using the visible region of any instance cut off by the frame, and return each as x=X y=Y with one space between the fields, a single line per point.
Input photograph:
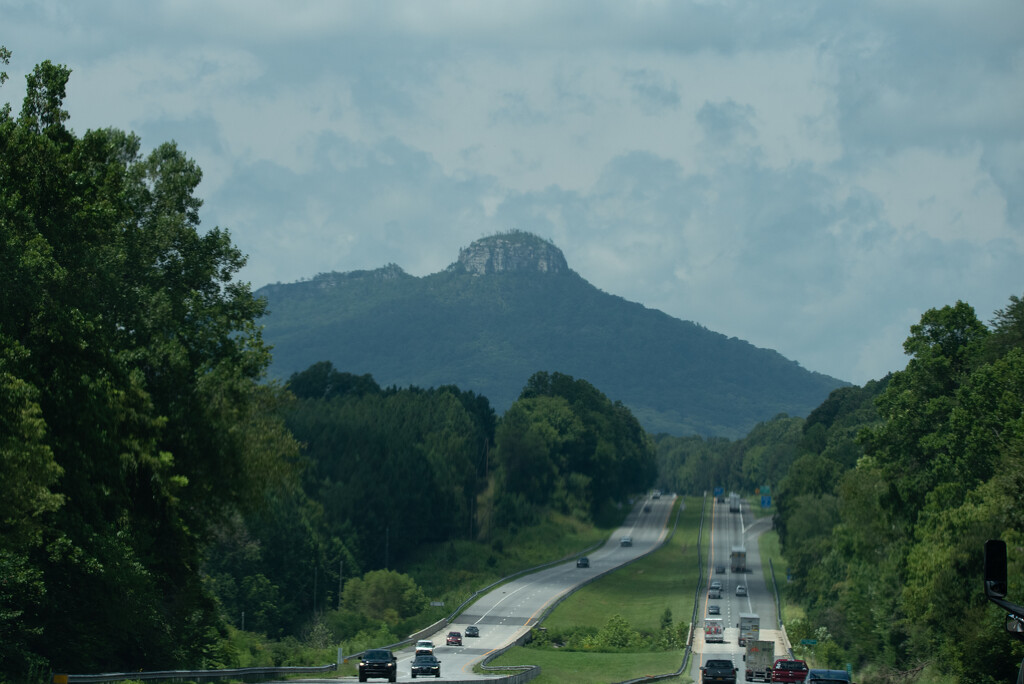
x=750 y=628
x=759 y=659
x=738 y=559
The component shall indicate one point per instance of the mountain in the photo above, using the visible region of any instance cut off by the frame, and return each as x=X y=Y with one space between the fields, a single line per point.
x=511 y=306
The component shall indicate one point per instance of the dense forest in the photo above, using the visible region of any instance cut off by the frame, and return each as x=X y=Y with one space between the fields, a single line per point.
x=160 y=492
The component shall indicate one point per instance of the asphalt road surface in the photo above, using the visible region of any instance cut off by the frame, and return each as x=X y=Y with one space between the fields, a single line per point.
x=729 y=530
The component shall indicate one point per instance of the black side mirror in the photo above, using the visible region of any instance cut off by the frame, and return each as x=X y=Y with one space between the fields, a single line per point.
x=995 y=568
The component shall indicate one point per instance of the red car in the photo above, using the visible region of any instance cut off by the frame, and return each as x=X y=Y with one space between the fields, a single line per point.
x=455 y=639
x=789 y=671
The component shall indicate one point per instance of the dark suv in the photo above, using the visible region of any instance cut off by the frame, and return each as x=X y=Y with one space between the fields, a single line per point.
x=718 y=671
x=378 y=662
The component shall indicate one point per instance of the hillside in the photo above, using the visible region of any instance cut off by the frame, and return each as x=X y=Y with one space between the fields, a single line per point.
x=511 y=306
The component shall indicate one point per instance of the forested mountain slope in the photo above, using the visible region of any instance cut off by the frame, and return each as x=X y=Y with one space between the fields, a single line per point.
x=510 y=307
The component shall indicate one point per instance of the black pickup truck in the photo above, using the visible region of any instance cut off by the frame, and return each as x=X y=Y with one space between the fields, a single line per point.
x=378 y=662
x=718 y=671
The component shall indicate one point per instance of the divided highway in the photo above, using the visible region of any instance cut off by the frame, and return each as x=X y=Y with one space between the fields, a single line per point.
x=512 y=609
x=726 y=531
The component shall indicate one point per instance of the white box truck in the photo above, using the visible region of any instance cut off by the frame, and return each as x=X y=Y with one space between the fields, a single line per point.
x=714 y=631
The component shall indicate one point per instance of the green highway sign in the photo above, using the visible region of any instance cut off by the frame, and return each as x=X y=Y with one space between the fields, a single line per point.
x=808 y=642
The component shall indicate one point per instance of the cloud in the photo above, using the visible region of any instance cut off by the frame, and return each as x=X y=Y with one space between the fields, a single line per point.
x=810 y=178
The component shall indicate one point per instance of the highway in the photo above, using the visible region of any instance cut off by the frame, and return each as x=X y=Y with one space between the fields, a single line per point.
x=729 y=530
x=512 y=609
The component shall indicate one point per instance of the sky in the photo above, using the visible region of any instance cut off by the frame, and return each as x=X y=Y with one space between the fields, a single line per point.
x=808 y=176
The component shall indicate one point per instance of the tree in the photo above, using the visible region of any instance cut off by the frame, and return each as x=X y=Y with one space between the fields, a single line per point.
x=135 y=364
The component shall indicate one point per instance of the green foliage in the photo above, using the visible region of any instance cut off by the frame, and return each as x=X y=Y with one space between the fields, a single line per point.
x=384 y=594
x=886 y=548
x=131 y=407
x=564 y=444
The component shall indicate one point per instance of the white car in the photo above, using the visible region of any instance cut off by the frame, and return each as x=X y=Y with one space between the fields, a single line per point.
x=741 y=590
x=424 y=646
x=626 y=541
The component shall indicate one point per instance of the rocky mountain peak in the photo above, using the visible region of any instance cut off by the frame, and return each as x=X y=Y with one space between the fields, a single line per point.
x=515 y=251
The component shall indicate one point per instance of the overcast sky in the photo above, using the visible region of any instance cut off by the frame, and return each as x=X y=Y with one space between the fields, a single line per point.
x=807 y=176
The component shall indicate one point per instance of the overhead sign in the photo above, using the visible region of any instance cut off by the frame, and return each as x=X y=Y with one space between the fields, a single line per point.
x=808 y=642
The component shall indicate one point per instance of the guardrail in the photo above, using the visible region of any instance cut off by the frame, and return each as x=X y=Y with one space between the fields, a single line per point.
x=191 y=675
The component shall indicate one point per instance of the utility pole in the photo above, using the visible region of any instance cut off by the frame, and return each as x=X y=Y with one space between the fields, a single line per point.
x=341 y=575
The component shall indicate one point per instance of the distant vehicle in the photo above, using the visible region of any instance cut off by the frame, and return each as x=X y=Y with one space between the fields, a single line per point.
x=583 y=562
x=626 y=541
x=759 y=659
x=828 y=676
x=741 y=590
x=714 y=631
x=647 y=508
x=453 y=639
x=718 y=671
x=424 y=646
x=656 y=494
x=472 y=631
x=738 y=559
x=713 y=609
x=719 y=569
x=378 y=663
x=750 y=628
x=716 y=584
x=714 y=593
x=734 y=502
x=426 y=664
x=789 y=671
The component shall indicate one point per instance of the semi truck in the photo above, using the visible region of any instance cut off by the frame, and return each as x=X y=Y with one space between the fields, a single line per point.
x=734 y=502
x=750 y=628
x=738 y=559
x=759 y=660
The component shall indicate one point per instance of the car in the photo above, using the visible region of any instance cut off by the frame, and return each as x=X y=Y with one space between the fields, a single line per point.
x=719 y=569
x=379 y=663
x=426 y=664
x=583 y=562
x=741 y=590
x=716 y=584
x=472 y=631
x=424 y=647
x=656 y=494
x=626 y=541
x=713 y=609
x=718 y=671
x=714 y=593
x=828 y=676
x=453 y=639
x=789 y=670
x=647 y=508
